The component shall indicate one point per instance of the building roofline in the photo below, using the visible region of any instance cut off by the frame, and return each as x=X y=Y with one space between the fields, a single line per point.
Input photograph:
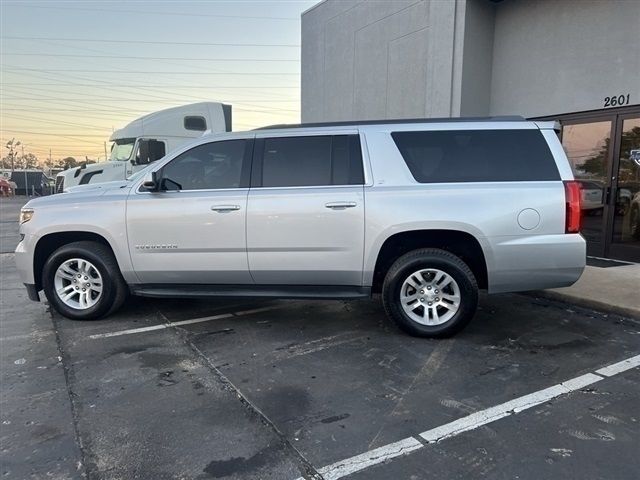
x=312 y=7
x=503 y=118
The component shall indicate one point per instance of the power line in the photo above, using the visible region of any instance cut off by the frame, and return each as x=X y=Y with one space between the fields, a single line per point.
x=50 y=134
x=146 y=86
x=173 y=14
x=108 y=84
x=119 y=98
x=182 y=96
x=93 y=50
x=74 y=138
x=164 y=99
x=42 y=98
x=271 y=111
x=155 y=72
x=149 y=42
x=43 y=93
x=30 y=54
x=60 y=122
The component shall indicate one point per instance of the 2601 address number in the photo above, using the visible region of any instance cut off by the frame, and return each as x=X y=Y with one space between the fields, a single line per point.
x=617 y=101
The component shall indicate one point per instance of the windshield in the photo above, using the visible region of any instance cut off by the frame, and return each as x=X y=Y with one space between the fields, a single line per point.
x=121 y=149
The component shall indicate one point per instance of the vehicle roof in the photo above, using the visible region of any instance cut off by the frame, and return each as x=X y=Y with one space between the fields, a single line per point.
x=169 y=121
x=355 y=123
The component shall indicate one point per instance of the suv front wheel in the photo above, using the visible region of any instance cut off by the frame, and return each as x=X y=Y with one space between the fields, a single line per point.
x=82 y=281
x=430 y=293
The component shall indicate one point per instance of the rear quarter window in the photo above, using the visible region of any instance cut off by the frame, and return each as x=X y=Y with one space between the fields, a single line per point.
x=477 y=156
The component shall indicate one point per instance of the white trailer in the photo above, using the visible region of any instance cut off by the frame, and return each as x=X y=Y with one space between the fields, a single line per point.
x=148 y=139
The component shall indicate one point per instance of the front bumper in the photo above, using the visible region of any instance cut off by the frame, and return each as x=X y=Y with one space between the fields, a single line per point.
x=24 y=259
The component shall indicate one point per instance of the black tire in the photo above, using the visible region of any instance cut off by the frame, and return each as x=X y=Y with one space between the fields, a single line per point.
x=122 y=293
x=444 y=261
x=114 y=288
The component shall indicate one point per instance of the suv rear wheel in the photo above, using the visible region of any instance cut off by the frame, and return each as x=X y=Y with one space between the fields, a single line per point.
x=430 y=293
x=82 y=281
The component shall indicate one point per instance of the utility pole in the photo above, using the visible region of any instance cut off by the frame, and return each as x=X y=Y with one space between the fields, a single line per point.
x=11 y=144
x=105 y=152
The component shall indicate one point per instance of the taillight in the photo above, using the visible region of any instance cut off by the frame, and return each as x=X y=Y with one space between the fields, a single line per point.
x=573 y=220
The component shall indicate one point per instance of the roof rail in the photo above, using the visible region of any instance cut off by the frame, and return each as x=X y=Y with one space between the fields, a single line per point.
x=504 y=118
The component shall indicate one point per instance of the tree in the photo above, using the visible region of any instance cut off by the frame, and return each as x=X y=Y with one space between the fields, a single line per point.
x=595 y=165
x=28 y=160
x=11 y=157
x=67 y=162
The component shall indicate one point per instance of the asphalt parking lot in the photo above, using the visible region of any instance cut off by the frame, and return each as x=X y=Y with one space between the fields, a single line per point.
x=183 y=389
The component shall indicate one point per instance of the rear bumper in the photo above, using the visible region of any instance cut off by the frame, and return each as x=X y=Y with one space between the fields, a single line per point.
x=536 y=262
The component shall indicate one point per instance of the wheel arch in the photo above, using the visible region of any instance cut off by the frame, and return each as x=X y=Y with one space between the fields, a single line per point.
x=50 y=242
x=458 y=242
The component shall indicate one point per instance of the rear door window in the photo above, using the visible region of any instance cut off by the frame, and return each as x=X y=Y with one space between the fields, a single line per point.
x=309 y=161
x=477 y=155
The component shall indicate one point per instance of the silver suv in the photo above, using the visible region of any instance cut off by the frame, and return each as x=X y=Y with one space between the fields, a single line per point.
x=425 y=212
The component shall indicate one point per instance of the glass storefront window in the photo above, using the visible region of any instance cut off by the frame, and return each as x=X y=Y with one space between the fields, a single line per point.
x=603 y=148
x=587 y=146
x=626 y=224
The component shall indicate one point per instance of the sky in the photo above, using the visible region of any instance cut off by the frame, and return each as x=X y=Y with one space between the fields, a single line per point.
x=72 y=72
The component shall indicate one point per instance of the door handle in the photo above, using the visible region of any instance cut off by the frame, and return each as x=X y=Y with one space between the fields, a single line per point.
x=224 y=208
x=340 y=205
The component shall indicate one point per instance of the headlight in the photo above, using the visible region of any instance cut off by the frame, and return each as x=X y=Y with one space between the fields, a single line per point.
x=26 y=214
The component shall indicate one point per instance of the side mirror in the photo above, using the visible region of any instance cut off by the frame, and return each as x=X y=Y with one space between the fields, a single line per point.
x=150 y=182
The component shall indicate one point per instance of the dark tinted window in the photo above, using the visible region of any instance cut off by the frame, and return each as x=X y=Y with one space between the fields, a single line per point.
x=149 y=151
x=212 y=165
x=313 y=160
x=195 y=123
x=477 y=155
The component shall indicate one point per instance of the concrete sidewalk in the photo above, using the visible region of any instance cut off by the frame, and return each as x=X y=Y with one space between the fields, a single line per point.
x=611 y=289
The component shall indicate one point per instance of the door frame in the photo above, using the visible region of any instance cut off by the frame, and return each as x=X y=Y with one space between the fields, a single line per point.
x=605 y=247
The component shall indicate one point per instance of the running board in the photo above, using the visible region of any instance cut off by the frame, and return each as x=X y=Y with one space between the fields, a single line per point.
x=267 y=291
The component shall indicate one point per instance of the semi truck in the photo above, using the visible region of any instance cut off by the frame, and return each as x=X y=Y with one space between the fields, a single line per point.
x=147 y=139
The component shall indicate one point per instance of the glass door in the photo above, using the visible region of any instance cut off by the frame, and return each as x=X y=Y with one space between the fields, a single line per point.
x=603 y=148
x=589 y=149
x=625 y=222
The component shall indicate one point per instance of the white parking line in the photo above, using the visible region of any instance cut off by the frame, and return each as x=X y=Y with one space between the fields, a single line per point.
x=183 y=322
x=368 y=459
x=379 y=455
x=620 y=367
x=517 y=405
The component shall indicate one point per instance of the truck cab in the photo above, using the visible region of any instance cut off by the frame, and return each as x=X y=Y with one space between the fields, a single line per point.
x=147 y=139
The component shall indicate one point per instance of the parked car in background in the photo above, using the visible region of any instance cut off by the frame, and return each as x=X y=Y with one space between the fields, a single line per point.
x=592 y=196
x=452 y=206
x=6 y=190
